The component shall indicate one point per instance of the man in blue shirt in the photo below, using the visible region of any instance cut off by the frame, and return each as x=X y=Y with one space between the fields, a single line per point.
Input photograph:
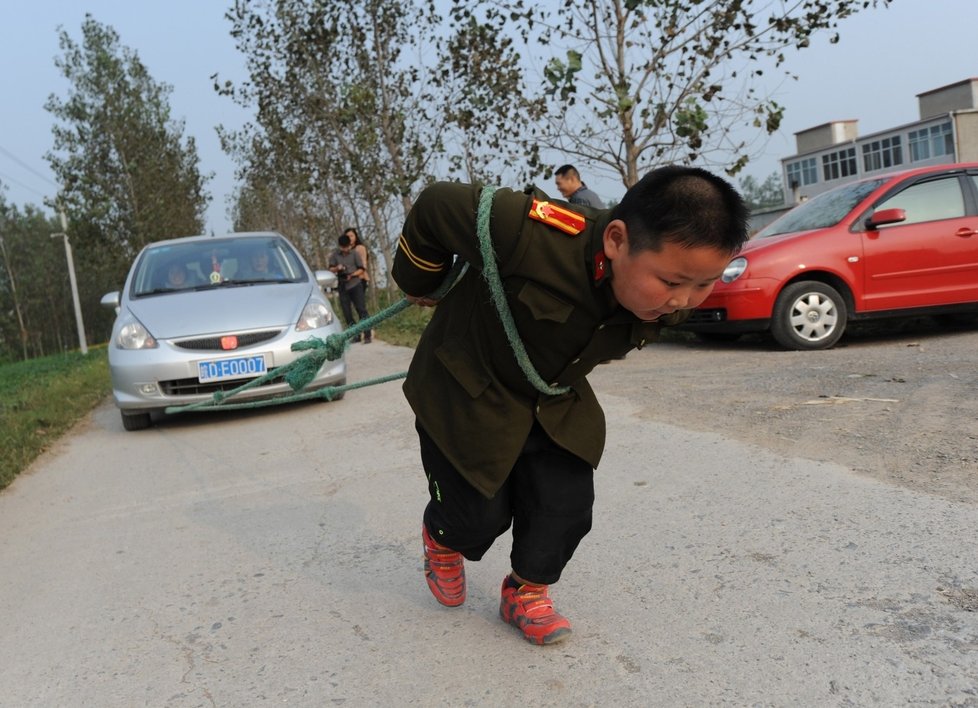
x=569 y=184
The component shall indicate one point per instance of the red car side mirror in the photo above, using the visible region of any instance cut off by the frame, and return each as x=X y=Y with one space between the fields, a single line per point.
x=886 y=216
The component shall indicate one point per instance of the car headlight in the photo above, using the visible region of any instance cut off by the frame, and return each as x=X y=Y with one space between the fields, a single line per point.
x=133 y=335
x=314 y=315
x=734 y=270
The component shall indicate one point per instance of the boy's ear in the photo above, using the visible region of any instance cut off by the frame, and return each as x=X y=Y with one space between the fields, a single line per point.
x=615 y=238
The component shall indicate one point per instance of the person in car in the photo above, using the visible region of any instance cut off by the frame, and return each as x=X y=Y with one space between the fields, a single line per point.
x=176 y=276
x=583 y=286
x=259 y=266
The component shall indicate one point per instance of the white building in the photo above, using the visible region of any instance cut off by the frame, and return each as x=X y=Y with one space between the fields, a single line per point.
x=834 y=153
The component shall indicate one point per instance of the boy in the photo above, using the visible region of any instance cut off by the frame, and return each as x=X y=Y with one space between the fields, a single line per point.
x=584 y=286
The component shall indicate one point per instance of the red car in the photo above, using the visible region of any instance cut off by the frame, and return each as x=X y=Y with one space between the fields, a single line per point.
x=900 y=244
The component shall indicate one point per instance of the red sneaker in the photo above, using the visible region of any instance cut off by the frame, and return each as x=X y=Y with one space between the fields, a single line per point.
x=530 y=609
x=444 y=570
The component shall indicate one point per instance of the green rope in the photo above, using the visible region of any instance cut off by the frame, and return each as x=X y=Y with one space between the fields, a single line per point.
x=490 y=271
x=300 y=372
x=303 y=370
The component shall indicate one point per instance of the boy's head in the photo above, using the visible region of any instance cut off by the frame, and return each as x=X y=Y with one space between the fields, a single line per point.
x=670 y=239
x=684 y=205
x=344 y=242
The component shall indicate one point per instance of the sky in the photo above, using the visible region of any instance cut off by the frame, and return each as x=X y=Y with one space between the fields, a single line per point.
x=884 y=58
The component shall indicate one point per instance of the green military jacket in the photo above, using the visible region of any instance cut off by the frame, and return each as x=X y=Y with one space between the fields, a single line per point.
x=464 y=383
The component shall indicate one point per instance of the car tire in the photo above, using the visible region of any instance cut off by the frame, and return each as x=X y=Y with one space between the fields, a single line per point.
x=809 y=315
x=135 y=421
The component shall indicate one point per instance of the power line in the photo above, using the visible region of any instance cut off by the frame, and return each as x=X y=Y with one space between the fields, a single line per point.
x=8 y=178
x=27 y=167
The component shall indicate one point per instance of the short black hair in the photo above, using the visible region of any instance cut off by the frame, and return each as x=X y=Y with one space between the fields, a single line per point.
x=568 y=170
x=684 y=205
x=344 y=240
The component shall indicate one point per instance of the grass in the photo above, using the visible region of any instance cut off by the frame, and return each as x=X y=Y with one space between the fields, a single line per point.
x=403 y=329
x=42 y=398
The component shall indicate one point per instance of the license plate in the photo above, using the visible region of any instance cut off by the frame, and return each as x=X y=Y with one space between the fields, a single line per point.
x=241 y=367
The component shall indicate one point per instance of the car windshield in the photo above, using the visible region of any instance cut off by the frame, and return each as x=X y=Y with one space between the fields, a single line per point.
x=215 y=263
x=826 y=209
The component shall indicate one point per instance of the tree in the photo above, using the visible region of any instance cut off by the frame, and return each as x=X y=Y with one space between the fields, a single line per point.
x=128 y=175
x=36 y=318
x=764 y=195
x=630 y=84
x=342 y=134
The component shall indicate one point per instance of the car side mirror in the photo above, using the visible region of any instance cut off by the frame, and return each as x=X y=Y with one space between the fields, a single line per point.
x=884 y=217
x=111 y=300
x=327 y=279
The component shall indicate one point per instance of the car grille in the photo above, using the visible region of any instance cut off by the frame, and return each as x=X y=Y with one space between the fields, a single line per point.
x=214 y=343
x=707 y=316
x=192 y=387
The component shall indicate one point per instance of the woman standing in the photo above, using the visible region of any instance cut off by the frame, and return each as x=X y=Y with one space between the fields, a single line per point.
x=362 y=250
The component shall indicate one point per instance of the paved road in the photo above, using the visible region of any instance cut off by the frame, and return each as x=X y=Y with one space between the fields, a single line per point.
x=273 y=558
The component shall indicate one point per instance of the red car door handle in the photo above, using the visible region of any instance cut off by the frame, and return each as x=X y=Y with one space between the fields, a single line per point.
x=964 y=232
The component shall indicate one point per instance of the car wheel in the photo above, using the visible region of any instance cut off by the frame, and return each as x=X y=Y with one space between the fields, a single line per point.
x=135 y=421
x=809 y=315
x=717 y=336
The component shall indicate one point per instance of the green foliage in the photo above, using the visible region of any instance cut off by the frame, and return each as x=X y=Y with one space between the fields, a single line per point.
x=342 y=134
x=636 y=84
x=42 y=398
x=37 y=317
x=128 y=176
x=764 y=195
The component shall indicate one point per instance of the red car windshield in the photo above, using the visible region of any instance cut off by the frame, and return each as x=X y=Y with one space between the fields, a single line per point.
x=826 y=209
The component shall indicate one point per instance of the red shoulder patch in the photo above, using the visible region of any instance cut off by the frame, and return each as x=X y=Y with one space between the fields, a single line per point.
x=568 y=221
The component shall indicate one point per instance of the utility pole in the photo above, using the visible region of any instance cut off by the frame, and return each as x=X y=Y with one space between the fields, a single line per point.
x=82 y=344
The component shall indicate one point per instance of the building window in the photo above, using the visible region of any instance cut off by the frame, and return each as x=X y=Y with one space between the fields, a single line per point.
x=839 y=164
x=880 y=154
x=802 y=172
x=931 y=142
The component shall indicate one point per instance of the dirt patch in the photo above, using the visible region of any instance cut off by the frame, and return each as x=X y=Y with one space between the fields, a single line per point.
x=897 y=401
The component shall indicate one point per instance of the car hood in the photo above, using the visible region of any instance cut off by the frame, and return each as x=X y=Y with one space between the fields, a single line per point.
x=756 y=243
x=226 y=309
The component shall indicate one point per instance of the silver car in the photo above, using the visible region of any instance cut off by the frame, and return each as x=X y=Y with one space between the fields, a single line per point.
x=205 y=314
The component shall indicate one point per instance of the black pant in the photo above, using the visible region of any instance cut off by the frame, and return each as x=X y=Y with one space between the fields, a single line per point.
x=350 y=298
x=547 y=497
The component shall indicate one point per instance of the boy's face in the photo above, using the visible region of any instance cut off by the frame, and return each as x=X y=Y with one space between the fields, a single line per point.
x=651 y=284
